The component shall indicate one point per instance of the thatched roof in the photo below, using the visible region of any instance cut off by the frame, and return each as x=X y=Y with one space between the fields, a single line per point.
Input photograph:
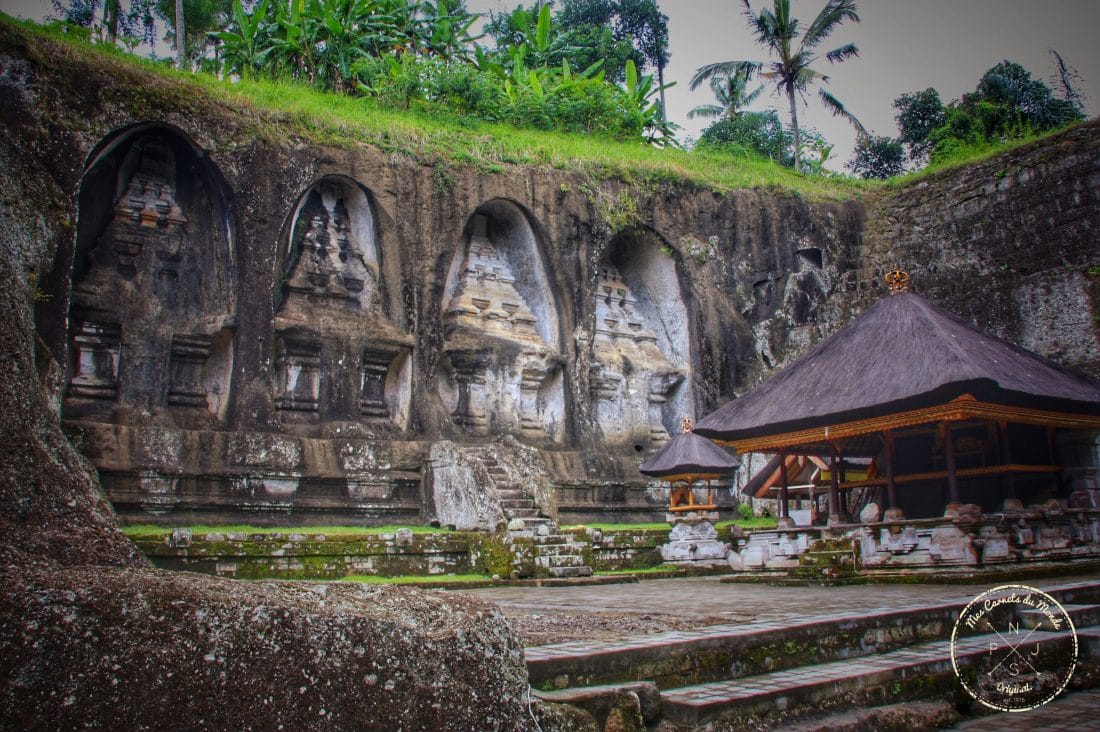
x=687 y=456
x=902 y=354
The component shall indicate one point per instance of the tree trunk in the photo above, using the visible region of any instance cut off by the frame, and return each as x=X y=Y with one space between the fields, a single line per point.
x=110 y=19
x=661 y=86
x=794 y=127
x=181 y=37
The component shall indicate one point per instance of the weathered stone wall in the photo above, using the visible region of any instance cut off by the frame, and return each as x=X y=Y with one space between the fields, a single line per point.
x=1009 y=243
x=305 y=377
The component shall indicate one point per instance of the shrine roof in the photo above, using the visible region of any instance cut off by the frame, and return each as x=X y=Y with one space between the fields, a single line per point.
x=900 y=358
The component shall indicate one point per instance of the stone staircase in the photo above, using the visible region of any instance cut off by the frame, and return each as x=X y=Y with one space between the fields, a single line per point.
x=764 y=675
x=528 y=530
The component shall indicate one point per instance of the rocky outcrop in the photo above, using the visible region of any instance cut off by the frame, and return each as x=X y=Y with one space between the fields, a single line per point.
x=132 y=649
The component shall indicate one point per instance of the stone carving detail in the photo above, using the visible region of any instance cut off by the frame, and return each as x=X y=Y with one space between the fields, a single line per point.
x=95 y=372
x=189 y=356
x=330 y=264
x=486 y=312
x=147 y=215
x=372 y=398
x=469 y=372
x=631 y=379
x=298 y=373
x=486 y=298
x=161 y=275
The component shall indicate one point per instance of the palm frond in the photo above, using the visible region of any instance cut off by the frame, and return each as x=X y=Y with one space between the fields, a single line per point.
x=834 y=105
x=722 y=68
x=843 y=53
x=831 y=16
x=707 y=111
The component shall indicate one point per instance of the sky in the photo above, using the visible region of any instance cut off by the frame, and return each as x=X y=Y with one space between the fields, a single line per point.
x=905 y=46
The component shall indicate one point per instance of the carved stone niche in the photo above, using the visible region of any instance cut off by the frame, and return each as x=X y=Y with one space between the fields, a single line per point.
x=468 y=372
x=501 y=331
x=298 y=372
x=199 y=371
x=95 y=362
x=152 y=257
x=332 y=257
x=385 y=385
x=640 y=352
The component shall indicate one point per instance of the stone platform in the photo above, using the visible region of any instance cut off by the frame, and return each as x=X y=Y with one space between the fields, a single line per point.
x=874 y=645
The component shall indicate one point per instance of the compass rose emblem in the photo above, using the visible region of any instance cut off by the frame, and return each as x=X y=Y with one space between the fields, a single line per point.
x=1014 y=648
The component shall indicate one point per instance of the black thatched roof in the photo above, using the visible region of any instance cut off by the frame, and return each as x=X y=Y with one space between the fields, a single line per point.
x=687 y=455
x=903 y=353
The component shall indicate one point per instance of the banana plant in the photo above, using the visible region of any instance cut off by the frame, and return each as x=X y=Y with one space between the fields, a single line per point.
x=243 y=46
x=640 y=92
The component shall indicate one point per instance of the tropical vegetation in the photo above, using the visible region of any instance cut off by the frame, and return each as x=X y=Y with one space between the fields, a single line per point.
x=791 y=52
x=1007 y=105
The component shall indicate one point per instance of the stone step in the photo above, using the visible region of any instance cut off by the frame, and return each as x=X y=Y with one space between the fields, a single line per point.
x=520 y=512
x=512 y=494
x=558 y=548
x=913 y=672
x=1081 y=615
x=560 y=560
x=571 y=571
x=685 y=657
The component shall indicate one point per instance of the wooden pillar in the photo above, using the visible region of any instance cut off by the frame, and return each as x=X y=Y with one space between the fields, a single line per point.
x=842 y=477
x=834 y=489
x=949 y=458
x=783 y=485
x=891 y=485
x=1008 y=482
x=1059 y=480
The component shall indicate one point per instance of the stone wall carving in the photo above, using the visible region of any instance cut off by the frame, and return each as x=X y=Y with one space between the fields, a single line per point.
x=150 y=293
x=340 y=358
x=640 y=373
x=502 y=367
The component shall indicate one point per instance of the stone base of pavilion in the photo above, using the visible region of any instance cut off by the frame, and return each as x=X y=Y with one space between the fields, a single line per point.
x=694 y=541
x=1057 y=531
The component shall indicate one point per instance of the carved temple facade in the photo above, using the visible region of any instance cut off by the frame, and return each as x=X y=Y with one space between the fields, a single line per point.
x=282 y=336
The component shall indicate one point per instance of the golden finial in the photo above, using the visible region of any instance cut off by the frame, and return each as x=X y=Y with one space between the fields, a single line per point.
x=897 y=281
x=687 y=424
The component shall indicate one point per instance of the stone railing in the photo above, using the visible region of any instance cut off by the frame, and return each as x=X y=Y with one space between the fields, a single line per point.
x=993 y=539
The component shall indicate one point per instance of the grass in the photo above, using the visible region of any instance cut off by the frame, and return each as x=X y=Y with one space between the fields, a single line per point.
x=660 y=569
x=276 y=111
x=408 y=579
x=154 y=530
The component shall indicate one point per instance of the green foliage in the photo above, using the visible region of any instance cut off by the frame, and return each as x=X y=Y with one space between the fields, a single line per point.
x=745 y=510
x=273 y=110
x=792 y=51
x=136 y=530
x=417 y=579
x=919 y=113
x=877 y=157
x=1007 y=104
x=749 y=133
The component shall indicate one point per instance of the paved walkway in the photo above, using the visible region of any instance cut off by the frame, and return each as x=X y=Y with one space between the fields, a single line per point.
x=744 y=603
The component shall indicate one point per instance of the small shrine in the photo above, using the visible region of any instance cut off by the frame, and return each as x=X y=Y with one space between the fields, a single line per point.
x=691 y=464
x=960 y=435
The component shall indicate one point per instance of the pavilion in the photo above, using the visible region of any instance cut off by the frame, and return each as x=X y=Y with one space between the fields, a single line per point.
x=949 y=414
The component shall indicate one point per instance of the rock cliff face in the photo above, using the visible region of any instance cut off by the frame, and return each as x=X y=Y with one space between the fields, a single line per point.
x=92 y=637
x=231 y=321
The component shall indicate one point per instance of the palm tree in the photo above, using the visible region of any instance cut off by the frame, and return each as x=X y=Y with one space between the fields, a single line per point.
x=731 y=91
x=790 y=70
